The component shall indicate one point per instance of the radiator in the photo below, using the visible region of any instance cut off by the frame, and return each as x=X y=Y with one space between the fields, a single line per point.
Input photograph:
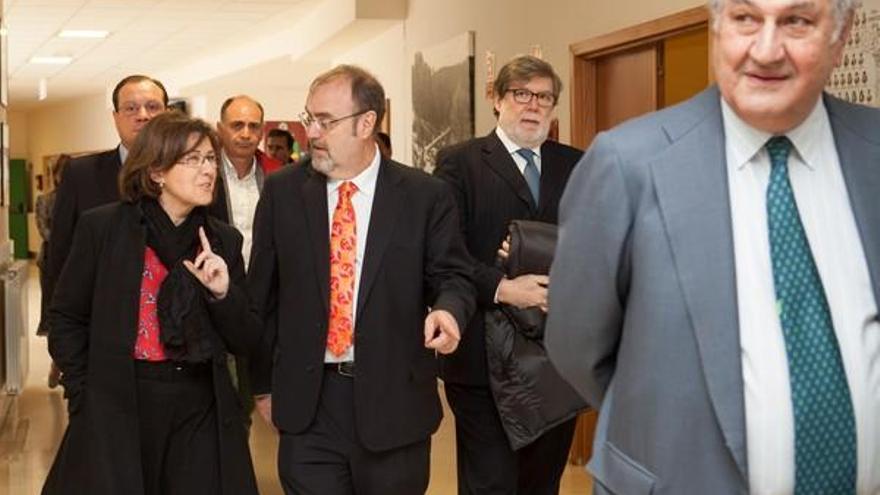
x=15 y=300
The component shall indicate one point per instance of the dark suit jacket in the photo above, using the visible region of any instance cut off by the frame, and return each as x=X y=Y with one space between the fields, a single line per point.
x=490 y=192
x=88 y=181
x=94 y=318
x=414 y=259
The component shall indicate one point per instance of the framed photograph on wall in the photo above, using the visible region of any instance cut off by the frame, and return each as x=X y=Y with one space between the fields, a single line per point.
x=857 y=78
x=443 y=98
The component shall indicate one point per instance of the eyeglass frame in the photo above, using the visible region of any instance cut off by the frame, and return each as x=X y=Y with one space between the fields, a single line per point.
x=325 y=125
x=533 y=95
x=210 y=159
x=134 y=108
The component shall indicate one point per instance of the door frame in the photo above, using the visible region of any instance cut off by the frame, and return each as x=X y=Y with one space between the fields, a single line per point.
x=584 y=54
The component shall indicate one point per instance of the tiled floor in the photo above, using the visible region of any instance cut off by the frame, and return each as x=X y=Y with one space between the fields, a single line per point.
x=35 y=420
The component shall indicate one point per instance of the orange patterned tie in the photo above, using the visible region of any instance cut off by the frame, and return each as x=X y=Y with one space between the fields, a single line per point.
x=343 y=243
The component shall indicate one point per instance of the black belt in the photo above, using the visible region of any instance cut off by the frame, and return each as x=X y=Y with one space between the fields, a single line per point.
x=171 y=370
x=345 y=368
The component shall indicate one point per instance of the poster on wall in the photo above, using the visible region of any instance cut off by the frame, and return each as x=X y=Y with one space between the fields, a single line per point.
x=443 y=98
x=856 y=79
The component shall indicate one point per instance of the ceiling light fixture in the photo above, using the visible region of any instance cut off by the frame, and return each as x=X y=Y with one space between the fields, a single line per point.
x=84 y=33
x=51 y=60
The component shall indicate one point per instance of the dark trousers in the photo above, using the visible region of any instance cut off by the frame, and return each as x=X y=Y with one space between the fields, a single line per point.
x=328 y=458
x=178 y=429
x=486 y=463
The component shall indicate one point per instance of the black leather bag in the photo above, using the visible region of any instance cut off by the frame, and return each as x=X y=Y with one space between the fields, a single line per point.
x=531 y=247
x=531 y=251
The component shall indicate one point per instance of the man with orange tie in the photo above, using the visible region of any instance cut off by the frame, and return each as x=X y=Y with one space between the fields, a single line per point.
x=349 y=254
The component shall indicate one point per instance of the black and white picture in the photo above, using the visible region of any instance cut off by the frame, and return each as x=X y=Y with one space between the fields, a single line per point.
x=443 y=98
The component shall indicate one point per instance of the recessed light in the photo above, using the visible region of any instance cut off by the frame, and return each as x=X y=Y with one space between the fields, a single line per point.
x=51 y=60
x=83 y=33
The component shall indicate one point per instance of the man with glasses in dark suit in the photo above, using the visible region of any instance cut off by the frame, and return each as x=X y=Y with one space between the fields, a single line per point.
x=513 y=173
x=92 y=180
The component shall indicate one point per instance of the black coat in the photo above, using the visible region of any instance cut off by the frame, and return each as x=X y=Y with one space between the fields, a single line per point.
x=414 y=259
x=490 y=192
x=94 y=318
x=530 y=394
x=88 y=181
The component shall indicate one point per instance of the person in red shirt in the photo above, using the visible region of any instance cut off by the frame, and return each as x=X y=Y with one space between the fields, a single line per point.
x=145 y=311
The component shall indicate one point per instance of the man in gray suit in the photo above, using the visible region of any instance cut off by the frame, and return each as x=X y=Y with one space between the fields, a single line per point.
x=716 y=280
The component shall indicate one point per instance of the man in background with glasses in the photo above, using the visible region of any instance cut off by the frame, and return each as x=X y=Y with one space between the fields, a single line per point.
x=92 y=180
x=349 y=254
x=512 y=173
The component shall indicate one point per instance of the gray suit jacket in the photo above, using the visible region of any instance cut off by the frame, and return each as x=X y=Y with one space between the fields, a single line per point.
x=643 y=318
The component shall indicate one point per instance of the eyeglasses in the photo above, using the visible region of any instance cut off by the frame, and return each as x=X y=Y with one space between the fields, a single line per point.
x=324 y=124
x=132 y=109
x=195 y=160
x=524 y=96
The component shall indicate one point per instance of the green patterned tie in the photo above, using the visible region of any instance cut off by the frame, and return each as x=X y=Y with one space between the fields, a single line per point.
x=824 y=426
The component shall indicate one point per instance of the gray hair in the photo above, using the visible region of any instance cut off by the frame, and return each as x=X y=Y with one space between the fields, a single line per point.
x=842 y=10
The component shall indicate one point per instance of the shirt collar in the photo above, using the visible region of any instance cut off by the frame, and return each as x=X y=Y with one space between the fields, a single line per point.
x=365 y=181
x=123 y=153
x=744 y=141
x=230 y=172
x=508 y=143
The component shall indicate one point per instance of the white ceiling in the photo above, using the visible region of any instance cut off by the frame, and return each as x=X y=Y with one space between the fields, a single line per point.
x=156 y=37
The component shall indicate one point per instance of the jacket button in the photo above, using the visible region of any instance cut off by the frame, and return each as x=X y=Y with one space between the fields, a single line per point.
x=310 y=368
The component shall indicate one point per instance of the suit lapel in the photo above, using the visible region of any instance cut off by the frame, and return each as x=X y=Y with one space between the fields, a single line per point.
x=859 y=160
x=690 y=179
x=388 y=201
x=314 y=194
x=498 y=159
x=130 y=248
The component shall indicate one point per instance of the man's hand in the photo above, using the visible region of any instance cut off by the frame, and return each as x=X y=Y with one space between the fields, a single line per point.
x=263 y=404
x=525 y=291
x=504 y=251
x=441 y=331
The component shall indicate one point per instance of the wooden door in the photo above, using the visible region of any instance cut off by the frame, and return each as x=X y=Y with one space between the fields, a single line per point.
x=626 y=85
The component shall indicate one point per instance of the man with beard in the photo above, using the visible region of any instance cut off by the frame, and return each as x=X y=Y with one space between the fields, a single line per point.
x=360 y=276
x=512 y=173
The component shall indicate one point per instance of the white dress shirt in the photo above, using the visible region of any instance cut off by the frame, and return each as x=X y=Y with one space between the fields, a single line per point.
x=512 y=149
x=362 y=201
x=242 y=196
x=823 y=203
x=123 y=153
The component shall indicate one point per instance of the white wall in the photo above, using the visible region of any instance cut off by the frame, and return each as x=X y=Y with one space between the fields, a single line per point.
x=77 y=126
x=506 y=27
x=18 y=135
x=385 y=57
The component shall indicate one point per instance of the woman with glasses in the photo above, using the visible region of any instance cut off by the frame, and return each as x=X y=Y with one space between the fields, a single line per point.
x=146 y=308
